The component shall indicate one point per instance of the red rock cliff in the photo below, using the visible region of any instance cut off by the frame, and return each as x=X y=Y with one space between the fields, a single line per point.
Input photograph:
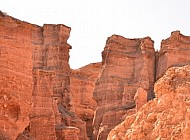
x=127 y=65
x=16 y=78
x=174 y=52
x=165 y=117
x=82 y=85
x=42 y=98
x=35 y=93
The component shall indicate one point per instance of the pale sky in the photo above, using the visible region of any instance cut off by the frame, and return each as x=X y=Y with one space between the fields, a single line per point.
x=92 y=21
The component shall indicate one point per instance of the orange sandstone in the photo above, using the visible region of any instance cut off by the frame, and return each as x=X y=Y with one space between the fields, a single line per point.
x=35 y=98
x=165 y=117
x=82 y=82
x=174 y=51
x=127 y=65
x=42 y=98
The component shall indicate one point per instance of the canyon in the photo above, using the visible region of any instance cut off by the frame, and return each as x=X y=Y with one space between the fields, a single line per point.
x=134 y=93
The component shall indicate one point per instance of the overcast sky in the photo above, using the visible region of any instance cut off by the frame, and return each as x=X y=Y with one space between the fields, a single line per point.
x=92 y=21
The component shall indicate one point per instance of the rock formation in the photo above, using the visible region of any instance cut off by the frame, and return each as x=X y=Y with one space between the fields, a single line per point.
x=16 y=78
x=34 y=76
x=140 y=98
x=165 y=117
x=174 y=52
x=42 y=116
x=127 y=65
x=82 y=82
x=42 y=98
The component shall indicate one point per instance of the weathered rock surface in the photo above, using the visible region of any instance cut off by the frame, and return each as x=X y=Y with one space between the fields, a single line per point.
x=42 y=116
x=35 y=98
x=16 y=81
x=140 y=98
x=167 y=116
x=174 y=52
x=127 y=65
x=42 y=98
x=82 y=82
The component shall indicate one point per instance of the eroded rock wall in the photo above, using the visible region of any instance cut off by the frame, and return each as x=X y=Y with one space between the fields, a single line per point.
x=174 y=52
x=42 y=98
x=42 y=115
x=35 y=97
x=165 y=117
x=53 y=56
x=82 y=82
x=16 y=81
x=127 y=65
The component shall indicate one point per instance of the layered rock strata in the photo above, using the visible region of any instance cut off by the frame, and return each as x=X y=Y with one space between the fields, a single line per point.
x=82 y=82
x=56 y=54
x=30 y=95
x=42 y=98
x=174 y=52
x=42 y=116
x=127 y=65
x=16 y=78
x=165 y=117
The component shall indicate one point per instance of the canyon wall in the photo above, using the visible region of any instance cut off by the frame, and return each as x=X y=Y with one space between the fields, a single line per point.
x=36 y=102
x=174 y=52
x=82 y=82
x=165 y=117
x=42 y=98
x=42 y=115
x=127 y=65
x=157 y=119
x=16 y=78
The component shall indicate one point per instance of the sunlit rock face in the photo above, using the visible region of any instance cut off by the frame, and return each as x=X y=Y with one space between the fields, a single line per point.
x=127 y=65
x=174 y=52
x=165 y=117
x=35 y=98
x=42 y=98
x=16 y=78
x=82 y=82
